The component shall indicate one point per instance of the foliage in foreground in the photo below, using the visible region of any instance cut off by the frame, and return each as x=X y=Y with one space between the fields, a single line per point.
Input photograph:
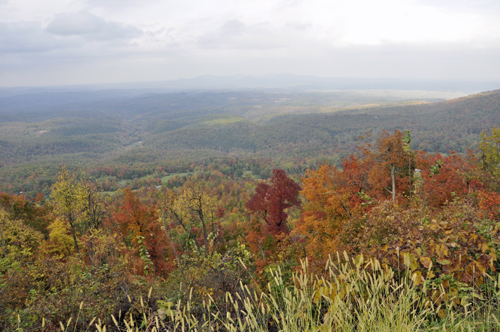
x=350 y=295
x=218 y=253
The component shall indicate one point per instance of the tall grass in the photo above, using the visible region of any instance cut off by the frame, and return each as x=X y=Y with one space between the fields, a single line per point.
x=351 y=295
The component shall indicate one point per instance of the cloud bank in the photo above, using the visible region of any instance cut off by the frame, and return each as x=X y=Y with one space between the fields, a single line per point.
x=115 y=41
x=90 y=27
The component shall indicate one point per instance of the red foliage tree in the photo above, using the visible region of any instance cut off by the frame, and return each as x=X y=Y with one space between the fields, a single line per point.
x=271 y=201
x=445 y=177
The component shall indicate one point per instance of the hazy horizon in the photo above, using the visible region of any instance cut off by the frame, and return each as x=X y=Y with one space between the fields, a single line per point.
x=78 y=42
x=270 y=82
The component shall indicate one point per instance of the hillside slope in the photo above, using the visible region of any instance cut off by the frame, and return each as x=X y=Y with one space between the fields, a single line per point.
x=247 y=123
x=439 y=127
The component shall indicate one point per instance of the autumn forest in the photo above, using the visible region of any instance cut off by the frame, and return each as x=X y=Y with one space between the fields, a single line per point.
x=251 y=211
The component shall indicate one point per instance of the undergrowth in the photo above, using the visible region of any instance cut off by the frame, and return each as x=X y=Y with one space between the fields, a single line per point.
x=351 y=295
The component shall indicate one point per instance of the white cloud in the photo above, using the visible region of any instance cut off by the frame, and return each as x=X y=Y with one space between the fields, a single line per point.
x=22 y=37
x=476 y=6
x=410 y=24
x=90 y=27
x=119 y=4
x=234 y=34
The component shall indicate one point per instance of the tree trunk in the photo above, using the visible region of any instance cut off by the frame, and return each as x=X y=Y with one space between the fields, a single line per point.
x=3 y=242
x=180 y=222
x=262 y=250
x=73 y=232
x=410 y=175
x=205 y=233
x=393 y=185
x=91 y=252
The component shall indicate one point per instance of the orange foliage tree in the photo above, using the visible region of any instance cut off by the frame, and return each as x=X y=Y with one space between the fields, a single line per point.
x=140 y=227
x=334 y=196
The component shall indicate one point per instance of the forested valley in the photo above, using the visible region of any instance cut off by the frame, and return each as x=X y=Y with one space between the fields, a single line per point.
x=250 y=211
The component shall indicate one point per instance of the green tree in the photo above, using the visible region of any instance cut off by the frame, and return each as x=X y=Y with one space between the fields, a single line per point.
x=3 y=224
x=69 y=198
x=490 y=155
x=95 y=205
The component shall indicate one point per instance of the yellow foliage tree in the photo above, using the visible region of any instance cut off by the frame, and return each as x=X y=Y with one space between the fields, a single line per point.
x=192 y=206
x=60 y=241
x=17 y=239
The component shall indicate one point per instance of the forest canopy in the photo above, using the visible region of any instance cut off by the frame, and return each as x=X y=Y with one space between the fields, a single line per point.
x=428 y=216
x=208 y=204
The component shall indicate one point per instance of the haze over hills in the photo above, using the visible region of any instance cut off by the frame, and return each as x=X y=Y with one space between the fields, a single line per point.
x=303 y=83
x=289 y=82
x=135 y=98
x=102 y=124
x=46 y=103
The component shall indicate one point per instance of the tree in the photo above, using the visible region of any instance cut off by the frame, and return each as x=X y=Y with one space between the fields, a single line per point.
x=32 y=214
x=60 y=241
x=270 y=202
x=3 y=224
x=133 y=217
x=95 y=205
x=490 y=156
x=391 y=155
x=69 y=200
x=140 y=228
x=333 y=197
x=18 y=243
x=190 y=207
x=337 y=196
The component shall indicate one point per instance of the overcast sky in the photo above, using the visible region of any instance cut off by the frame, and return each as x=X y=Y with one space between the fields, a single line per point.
x=59 y=42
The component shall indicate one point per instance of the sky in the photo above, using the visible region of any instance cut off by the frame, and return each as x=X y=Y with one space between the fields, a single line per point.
x=66 y=42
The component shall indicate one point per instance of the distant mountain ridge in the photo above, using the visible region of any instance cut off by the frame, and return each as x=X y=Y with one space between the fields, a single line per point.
x=272 y=82
x=304 y=83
